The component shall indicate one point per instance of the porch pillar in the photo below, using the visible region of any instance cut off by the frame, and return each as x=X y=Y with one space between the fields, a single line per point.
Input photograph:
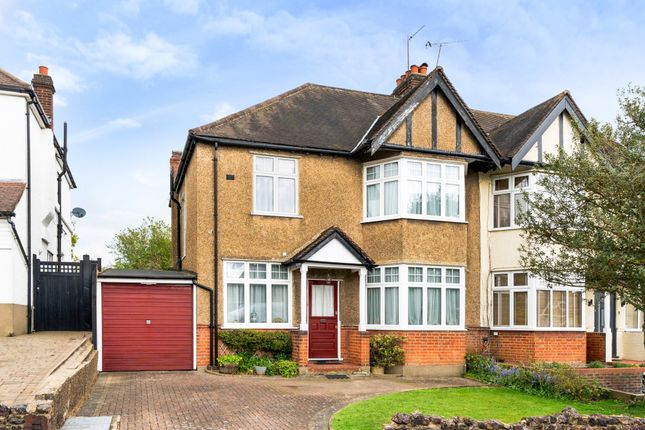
x=304 y=323
x=362 y=299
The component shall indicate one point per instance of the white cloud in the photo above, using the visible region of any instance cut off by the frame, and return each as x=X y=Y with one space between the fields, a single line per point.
x=141 y=59
x=221 y=110
x=109 y=127
x=189 y=7
x=131 y=7
x=124 y=123
x=146 y=179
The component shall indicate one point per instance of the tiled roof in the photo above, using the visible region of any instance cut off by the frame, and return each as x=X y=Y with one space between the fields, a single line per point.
x=490 y=120
x=10 y=194
x=8 y=79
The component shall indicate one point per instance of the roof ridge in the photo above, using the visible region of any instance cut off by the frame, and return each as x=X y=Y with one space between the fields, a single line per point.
x=494 y=113
x=14 y=77
x=558 y=96
x=351 y=90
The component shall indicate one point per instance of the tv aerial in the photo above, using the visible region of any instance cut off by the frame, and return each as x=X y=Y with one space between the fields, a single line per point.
x=441 y=45
x=408 y=43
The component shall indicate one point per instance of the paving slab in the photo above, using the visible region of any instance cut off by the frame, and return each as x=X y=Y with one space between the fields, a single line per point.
x=88 y=423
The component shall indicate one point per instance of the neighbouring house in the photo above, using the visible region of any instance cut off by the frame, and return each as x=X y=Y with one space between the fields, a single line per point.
x=35 y=185
x=337 y=214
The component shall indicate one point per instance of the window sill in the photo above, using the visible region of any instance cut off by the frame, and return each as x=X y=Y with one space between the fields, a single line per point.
x=283 y=326
x=633 y=330
x=276 y=215
x=504 y=228
x=415 y=328
x=379 y=219
x=528 y=328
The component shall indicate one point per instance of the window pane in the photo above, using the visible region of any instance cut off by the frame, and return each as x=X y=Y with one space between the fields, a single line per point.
x=415 y=169
x=452 y=200
x=278 y=271
x=415 y=305
x=520 y=308
x=575 y=308
x=264 y=164
x=543 y=308
x=234 y=270
x=322 y=300
x=631 y=317
x=258 y=271
x=434 y=306
x=434 y=275
x=287 y=195
x=501 y=308
x=391 y=274
x=286 y=166
x=391 y=191
x=373 y=172
x=414 y=197
x=520 y=279
x=452 y=306
x=521 y=206
x=391 y=305
x=452 y=276
x=559 y=308
x=374 y=276
x=501 y=184
x=452 y=173
x=415 y=274
x=501 y=280
x=433 y=196
x=373 y=200
x=521 y=182
x=235 y=303
x=391 y=169
x=502 y=210
x=258 y=309
x=434 y=170
x=373 y=306
x=264 y=193
x=279 y=304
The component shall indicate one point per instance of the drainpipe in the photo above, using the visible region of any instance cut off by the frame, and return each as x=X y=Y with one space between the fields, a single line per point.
x=29 y=274
x=59 y=232
x=17 y=237
x=176 y=202
x=210 y=326
x=215 y=252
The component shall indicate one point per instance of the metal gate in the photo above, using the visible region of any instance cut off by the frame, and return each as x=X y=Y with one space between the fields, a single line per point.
x=64 y=294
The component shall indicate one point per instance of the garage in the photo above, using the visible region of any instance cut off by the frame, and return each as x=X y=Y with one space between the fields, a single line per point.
x=146 y=320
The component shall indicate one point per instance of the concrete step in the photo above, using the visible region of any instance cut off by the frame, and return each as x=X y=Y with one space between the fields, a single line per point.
x=92 y=423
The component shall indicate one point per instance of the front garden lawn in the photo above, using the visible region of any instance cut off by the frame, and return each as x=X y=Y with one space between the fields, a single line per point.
x=502 y=404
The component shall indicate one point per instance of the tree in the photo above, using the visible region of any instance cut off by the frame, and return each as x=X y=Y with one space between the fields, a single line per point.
x=588 y=223
x=148 y=246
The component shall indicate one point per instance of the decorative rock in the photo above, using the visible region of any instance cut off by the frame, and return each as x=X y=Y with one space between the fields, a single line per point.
x=19 y=409
x=43 y=408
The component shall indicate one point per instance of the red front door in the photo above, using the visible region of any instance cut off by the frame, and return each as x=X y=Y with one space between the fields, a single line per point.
x=323 y=319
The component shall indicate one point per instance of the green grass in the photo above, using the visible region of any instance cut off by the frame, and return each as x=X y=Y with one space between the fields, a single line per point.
x=482 y=403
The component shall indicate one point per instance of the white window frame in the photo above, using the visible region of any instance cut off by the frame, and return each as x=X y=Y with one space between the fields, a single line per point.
x=183 y=225
x=512 y=191
x=640 y=317
x=276 y=176
x=403 y=284
x=403 y=177
x=535 y=284
x=247 y=281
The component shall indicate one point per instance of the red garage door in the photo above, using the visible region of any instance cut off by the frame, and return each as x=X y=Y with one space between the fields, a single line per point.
x=147 y=327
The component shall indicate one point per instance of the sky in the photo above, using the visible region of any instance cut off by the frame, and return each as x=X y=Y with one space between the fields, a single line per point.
x=133 y=76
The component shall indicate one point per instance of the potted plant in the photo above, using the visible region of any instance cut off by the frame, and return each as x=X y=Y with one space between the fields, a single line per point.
x=261 y=364
x=229 y=364
x=386 y=351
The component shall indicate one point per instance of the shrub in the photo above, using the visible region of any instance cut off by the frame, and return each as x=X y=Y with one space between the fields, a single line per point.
x=252 y=341
x=546 y=379
x=284 y=368
x=229 y=359
x=596 y=365
x=386 y=350
x=619 y=365
x=248 y=363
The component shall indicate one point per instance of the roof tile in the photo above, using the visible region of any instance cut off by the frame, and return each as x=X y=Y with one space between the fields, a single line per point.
x=10 y=194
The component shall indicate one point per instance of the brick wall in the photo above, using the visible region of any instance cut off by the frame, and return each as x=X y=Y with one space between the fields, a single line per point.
x=626 y=379
x=528 y=346
x=300 y=347
x=203 y=345
x=432 y=347
x=474 y=339
x=596 y=347
x=355 y=346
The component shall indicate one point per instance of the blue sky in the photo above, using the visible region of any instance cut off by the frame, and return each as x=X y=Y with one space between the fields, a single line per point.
x=133 y=76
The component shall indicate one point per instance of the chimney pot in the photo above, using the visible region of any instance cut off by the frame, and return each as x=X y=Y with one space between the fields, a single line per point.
x=43 y=70
x=423 y=68
x=414 y=68
x=407 y=74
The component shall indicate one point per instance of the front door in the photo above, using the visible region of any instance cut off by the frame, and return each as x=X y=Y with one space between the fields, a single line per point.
x=323 y=319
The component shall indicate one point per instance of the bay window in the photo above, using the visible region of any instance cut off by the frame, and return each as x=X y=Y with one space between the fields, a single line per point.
x=509 y=200
x=415 y=297
x=518 y=297
x=275 y=186
x=414 y=188
x=257 y=294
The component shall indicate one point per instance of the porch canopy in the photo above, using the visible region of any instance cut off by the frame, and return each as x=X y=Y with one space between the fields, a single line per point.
x=332 y=248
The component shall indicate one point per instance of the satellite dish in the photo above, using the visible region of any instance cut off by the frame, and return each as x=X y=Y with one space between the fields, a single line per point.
x=78 y=212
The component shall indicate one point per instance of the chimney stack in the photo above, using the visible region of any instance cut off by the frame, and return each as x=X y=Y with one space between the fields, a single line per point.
x=174 y=163
x=44 y=88
x=410 y=79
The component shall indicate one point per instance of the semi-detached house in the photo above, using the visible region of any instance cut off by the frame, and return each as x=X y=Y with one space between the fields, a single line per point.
x=336 y=215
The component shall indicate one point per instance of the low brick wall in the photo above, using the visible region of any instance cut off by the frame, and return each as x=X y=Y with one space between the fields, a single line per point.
x=627 y=379
x=475 y=339
x=203 y=345
x=567 y=419
x=300 y=347
x=595 y=347
x=548 y=346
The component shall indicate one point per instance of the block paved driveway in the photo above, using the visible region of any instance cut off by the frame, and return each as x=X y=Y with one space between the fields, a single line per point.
x=198 y=400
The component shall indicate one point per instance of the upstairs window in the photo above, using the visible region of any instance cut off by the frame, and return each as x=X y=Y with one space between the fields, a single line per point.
x=509 y=200
x=275 y=186
x=414 y=188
